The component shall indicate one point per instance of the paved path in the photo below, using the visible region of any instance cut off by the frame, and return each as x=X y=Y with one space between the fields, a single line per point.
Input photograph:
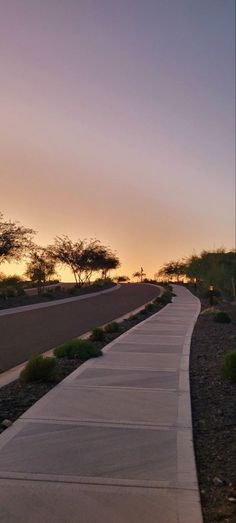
x=113 y=442
x=39 y=329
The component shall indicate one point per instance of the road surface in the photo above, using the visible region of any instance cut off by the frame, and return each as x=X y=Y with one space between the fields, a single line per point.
x=26 y=333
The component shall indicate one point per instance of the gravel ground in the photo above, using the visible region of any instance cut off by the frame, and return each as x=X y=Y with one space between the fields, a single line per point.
x=214 y=416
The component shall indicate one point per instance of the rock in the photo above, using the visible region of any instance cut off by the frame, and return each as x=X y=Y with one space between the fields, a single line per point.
x=232 y=500
x=217 y=481
x=6 y=423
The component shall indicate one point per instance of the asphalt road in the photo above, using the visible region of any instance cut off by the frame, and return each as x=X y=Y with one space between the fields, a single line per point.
x=32 y=332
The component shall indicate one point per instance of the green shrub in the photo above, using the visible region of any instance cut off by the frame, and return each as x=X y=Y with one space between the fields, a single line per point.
x=11 y=293
x=39 y=368
x=82 y=349
x=150 y=307
x=229 y=366
x=165 y=298
x=49 y=294
x=98 y=334
x=134 y=317
x=143 y=311
x=112 y=327
x=72 y=291
x=222 y=317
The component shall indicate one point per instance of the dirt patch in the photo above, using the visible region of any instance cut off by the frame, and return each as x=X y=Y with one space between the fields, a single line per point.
x=214 y=416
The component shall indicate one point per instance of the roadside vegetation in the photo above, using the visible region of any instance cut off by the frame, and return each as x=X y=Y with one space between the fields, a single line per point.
x=212 y=273
x=88 y=260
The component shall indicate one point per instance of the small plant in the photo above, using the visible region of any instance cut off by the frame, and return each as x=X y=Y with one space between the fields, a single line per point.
x=39 y=368
x=229 y=366
x=10 y=293
x=72 y=291
x=112 y=327
x=222 y=317
x=150 y=307
x=134 y=317
x=49 y=294
x=143 y=312
x=98 y=334
x=82 y=349
x=165 y=298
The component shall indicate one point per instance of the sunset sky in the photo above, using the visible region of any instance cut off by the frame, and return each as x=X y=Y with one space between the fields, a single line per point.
x=117 y=122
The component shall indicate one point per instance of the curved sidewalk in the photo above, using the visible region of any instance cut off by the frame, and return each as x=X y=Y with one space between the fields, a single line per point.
x=112 y=443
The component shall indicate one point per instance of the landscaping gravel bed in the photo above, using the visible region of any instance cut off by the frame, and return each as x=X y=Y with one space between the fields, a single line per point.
x=214 y=416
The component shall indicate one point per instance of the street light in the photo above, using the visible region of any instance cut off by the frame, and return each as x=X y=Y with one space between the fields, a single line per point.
x=211 y=294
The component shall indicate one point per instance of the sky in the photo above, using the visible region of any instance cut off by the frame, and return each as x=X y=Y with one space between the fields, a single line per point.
x=117 y=123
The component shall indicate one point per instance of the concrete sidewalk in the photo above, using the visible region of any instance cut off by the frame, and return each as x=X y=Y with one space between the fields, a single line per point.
x=112 y=443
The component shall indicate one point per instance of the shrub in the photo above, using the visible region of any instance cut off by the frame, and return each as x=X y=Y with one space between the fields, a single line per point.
x=82 y=349
x=112 y=327
x=72 y=291
x=150 y=307
x=165 y=298
x=20 y=292
x=98 y=334
x=143 y=311
x=229 y=366
x=39 y=368
x=222 y=317
x=134 y=317
x=10 y=293
x=49 y=294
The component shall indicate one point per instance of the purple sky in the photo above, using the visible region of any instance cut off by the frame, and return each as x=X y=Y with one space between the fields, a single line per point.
x=117 y=122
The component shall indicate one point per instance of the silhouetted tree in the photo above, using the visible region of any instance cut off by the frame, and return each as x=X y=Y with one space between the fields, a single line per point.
x=15 y=240
x=84 y=258
x=173 y=270
x=139 y=274
x=40 y=268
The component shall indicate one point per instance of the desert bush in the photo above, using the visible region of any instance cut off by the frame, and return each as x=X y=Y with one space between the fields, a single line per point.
x=165 y=298
x=143 y=312
x=103 y=282
x=222 y=317
x=229 y=366
x=72 y=291
x=98 y=334
x=10 y=293
x=150 y=307
x=39 y=368
x=49 y=294
x=112 y=327
x=82 y=349
x=20 y=292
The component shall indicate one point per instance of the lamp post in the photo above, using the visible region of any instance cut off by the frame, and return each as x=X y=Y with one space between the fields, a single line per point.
x=211 y=294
